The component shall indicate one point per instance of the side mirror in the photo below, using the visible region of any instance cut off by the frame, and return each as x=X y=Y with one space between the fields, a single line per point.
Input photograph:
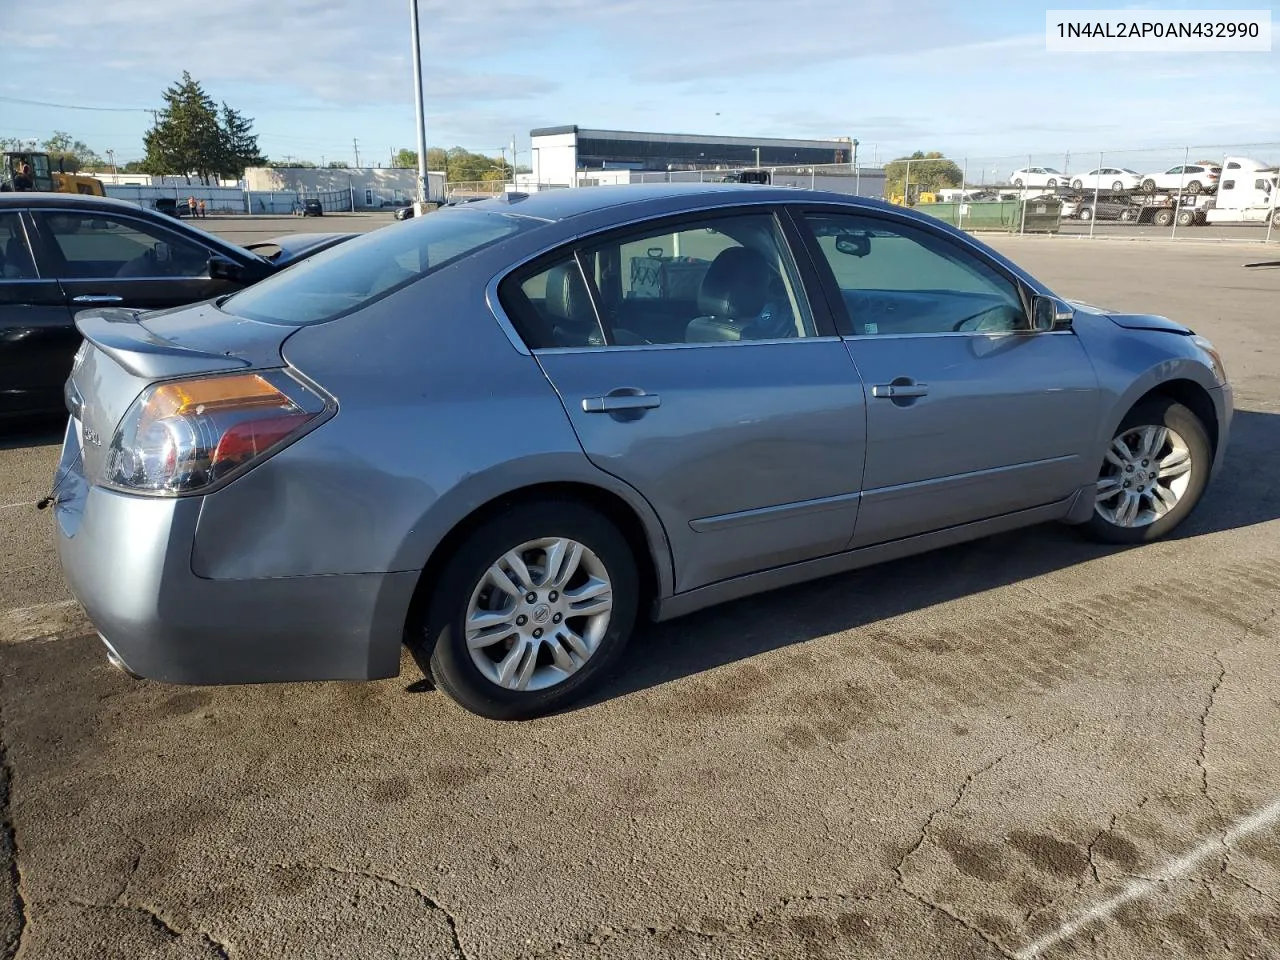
x=224 y=268
x=854 y=244
x=1050 y=313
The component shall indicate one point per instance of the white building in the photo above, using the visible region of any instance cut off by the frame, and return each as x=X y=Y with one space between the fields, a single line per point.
x=369 y=187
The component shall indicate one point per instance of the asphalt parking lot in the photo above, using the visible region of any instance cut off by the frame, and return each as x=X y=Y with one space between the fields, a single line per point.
x=1029 y=746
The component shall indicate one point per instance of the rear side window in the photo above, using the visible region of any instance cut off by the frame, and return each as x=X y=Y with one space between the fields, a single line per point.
x=353 y=274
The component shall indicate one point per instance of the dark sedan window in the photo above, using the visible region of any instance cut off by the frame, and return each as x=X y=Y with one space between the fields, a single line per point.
x=15 y=257
x=356 y=273
x=101 y=245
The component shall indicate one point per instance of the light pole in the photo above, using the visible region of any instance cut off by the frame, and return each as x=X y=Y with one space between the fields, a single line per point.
x=421 y=206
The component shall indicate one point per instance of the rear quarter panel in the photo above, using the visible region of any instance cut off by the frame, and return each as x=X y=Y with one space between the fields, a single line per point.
x=438 y=414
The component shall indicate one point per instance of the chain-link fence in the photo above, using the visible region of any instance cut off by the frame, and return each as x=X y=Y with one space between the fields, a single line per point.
x=1208 y=192
x=1214 y=192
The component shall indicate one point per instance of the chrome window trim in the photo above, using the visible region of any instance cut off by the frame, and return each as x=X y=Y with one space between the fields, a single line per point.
x=794 y=204
x=632 y=347
x=960 y=333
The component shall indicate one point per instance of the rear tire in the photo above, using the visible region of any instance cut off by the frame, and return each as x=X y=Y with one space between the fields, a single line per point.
x=1118 y=186
x=1178 y=467
x=1126 y=215
x=1077 y=184
x=1085 y=213
x=1018 y=184
x=1053 y=182
x=1194 y=187
x=1162 y=218
x=1148 y=186
x=485 y=672
x=1186 y=218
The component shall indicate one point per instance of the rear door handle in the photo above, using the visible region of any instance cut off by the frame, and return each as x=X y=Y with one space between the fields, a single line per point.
x=626 y=401
x=97 y=298
x=894 y=390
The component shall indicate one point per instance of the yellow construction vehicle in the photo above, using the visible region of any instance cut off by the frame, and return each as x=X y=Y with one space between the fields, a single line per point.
x=43 y=177
x=916 y=196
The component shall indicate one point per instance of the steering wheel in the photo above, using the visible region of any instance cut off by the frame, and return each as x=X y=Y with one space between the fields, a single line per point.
x=998 y=319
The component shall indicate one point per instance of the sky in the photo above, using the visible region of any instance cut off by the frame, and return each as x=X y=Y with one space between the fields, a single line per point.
x=972 y=80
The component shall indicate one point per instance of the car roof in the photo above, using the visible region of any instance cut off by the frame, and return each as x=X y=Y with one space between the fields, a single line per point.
x=563 y=204
x=70 y=201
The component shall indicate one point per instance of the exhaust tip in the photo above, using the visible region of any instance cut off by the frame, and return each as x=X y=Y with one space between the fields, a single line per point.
x=116 y=661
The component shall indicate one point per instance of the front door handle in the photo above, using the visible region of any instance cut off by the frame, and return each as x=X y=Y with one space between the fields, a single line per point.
x=616 y=402
x=97 y=298
x=897 y=389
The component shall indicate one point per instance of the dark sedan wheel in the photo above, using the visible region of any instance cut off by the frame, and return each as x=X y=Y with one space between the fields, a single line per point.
x=1152 y=475
x=532 y=609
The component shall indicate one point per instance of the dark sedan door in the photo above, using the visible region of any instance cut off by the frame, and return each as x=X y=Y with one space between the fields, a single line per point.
x=111 y=259
x=37 y=337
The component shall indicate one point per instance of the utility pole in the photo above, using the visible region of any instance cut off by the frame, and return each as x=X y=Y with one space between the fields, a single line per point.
x=421 y=114
x=355 y=145
x=111 y=156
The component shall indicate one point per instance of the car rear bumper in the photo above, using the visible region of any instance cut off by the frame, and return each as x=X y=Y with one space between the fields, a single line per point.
x=127 y=559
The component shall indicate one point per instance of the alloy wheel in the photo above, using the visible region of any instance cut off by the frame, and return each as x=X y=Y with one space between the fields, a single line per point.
x=1146 y=472
x=538 y=614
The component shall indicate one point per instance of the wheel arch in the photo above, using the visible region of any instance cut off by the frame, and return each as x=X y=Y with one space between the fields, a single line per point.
x=1192 y=395
x=640 y=527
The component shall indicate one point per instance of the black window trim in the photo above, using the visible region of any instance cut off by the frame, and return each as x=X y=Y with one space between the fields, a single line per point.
x=844 y=323
x=58 y=263
x=24 y=231
x=511 y=306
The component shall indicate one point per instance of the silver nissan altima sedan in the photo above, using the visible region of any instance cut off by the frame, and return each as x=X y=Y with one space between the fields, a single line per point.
x=504 y=432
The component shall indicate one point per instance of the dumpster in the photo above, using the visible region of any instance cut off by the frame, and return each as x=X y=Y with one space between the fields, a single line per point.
x=1005 y=215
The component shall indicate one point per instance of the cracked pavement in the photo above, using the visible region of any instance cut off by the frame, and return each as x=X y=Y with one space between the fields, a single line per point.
x=1026 y=747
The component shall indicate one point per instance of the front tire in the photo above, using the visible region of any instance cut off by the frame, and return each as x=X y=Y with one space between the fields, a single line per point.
x=532 y=610
x=1085 y=213
x=1152 y=475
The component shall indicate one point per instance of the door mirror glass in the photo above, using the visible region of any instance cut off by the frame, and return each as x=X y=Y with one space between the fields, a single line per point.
x=854 y=244
x=1049 y=313
x=220 y=268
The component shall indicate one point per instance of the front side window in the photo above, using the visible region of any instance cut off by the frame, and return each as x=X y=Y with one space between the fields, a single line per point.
x=897 y=278
x=353 y=274
x=711 y=280
x=15 y=256
x=96 y=246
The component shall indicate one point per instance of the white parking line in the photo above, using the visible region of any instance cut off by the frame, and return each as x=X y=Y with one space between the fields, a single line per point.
x=1260 y=820
x=12 y=506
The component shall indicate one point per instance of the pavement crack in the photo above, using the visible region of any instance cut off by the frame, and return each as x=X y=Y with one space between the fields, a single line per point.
x=459 y=953
x=956 y=918
x=1093 y=864
x=10 y=837
x=158 y=923
x=1210 y=700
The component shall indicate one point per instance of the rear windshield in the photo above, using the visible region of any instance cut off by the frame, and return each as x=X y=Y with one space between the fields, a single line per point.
x=351 y=275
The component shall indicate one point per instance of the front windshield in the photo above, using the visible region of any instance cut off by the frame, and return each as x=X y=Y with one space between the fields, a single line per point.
x=353 y=274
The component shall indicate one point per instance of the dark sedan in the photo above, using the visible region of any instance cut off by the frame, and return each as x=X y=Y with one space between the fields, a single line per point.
x=61 y=253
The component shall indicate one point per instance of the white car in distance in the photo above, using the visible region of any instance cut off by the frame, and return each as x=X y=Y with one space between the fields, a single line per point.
x=1037 y=177
x=1108 y=178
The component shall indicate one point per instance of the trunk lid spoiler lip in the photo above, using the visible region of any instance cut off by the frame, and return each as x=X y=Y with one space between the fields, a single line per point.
x=117 y=332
